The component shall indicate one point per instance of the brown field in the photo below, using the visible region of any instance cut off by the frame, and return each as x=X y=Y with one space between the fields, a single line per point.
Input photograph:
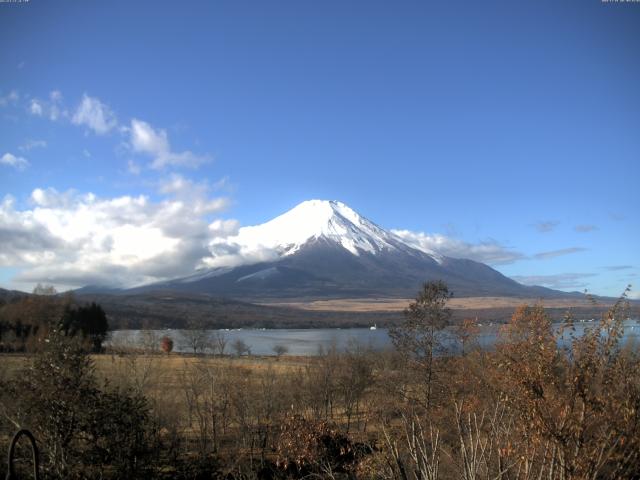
x=398 y=304
x=167 y=370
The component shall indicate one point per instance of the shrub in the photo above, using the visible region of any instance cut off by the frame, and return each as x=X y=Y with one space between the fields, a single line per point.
x=80 y=427
x=305 y=447
x=166 y=344
x=577 y=409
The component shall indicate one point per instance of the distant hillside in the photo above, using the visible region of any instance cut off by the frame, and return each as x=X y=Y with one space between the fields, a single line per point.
x=10 y=295
x=163 y=309
x=176 y=310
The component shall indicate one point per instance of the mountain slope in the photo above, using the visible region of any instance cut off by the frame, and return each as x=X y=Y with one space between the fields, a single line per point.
x=325 y=249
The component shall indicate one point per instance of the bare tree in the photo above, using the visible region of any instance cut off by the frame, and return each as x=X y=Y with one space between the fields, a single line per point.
x=45 y=289
x=416 y=337
x=321 y=382
x=194 y=338
x=354 y=375
x=205 y=401
x=218 y=342
x=416 y=456
x=240 y=347
x=129 y=368
x=280 y=350
x=150 y=341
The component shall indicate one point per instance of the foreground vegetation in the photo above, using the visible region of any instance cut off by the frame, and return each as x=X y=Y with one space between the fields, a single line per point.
x=527 y=410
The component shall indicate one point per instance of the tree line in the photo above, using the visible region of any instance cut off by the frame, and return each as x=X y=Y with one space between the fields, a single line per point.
x=26 y=321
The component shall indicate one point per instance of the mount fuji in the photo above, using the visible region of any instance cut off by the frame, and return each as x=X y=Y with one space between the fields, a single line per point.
x=324 y=249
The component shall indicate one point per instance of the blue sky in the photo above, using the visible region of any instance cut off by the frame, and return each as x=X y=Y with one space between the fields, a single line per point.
x=133 y=132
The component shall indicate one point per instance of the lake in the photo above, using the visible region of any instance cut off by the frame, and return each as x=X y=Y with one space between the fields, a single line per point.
x=313 y=341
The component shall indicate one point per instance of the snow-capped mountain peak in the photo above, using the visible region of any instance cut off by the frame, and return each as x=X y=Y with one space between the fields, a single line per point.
x=316 y=219
x=324 y=248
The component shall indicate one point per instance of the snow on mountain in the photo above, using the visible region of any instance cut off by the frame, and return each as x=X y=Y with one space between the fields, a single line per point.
x=324 y=249
x=314 y=219
x=308 y=221
x=260 y=274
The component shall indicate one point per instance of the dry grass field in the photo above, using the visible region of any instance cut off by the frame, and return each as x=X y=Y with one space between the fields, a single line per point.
x=399 y=304
x=162 y=374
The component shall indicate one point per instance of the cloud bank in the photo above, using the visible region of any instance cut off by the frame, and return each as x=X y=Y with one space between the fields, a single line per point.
x=74 y=239
x=490 y=251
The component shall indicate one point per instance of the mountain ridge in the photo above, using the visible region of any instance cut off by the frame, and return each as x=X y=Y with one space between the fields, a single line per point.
x=325 y=249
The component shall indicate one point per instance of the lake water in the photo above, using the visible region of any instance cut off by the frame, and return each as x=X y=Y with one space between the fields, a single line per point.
x=313 y=341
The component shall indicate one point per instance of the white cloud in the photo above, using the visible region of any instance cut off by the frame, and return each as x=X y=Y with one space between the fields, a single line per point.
x=558 y=253
x=145 y=139
x=38 y=196
x=95 y=115
x=224 y=228
x=36 y=107
x=31 y=144
x=50 y=198
x=227 y=253
x=561 y=281
x=75 y=239
x=23 y=240
x=55 y=105
x=19 y=163
x=490 y=251
x=193 y=193
x=230 y=248
x=176 y=183
x=10 y=99
x=53 y=108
